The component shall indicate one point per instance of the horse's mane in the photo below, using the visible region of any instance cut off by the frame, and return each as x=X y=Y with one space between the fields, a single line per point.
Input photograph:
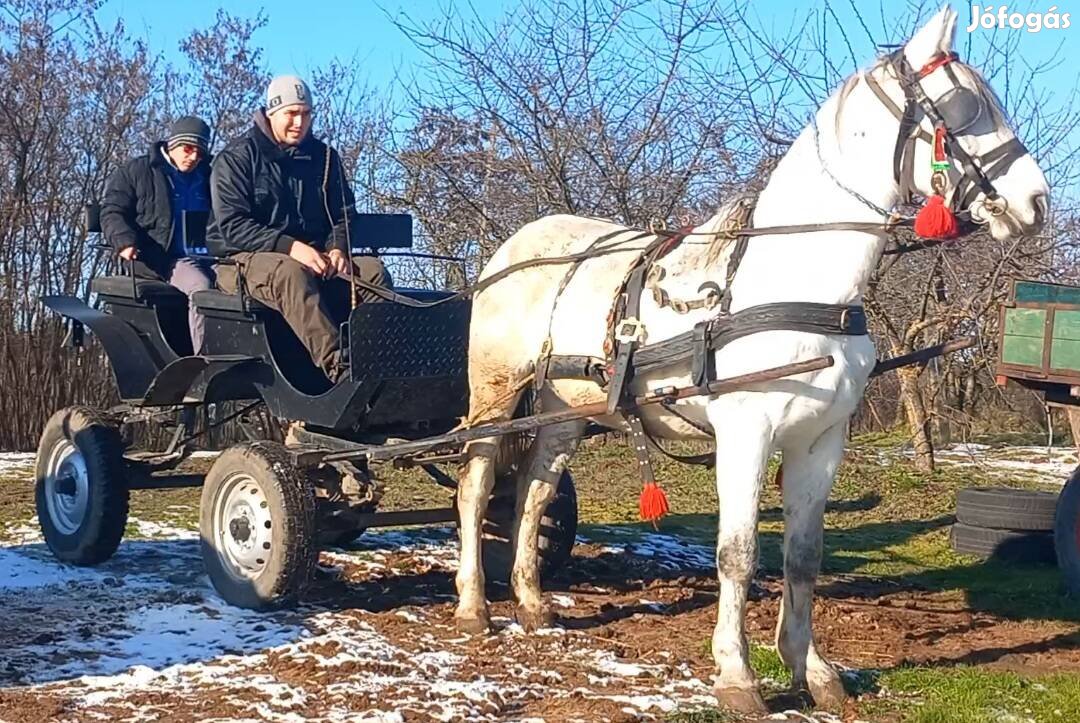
x=721 y=243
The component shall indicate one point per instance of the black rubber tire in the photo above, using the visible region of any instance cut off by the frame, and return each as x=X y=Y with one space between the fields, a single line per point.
x=1009 y=545
x=290 y=500
x=102 y=523
x=558 y=531
x=1006 y=509
x=1067 y=533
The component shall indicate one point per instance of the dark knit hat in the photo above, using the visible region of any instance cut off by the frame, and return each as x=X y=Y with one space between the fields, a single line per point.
x=189 y=129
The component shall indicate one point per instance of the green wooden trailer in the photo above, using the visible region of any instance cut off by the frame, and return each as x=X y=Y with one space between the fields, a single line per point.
x=1039 y=348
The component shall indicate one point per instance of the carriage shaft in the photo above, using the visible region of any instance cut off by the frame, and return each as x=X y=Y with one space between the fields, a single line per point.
x=524 y=424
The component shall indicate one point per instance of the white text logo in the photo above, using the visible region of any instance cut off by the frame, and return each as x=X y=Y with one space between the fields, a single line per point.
x=1032 y=22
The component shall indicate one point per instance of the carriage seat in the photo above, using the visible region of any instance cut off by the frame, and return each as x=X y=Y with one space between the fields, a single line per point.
x=220 y=301
x=149 y=290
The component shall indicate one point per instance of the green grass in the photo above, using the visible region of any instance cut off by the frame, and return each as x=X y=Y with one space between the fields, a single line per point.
x=767 y=664
x=974 y=695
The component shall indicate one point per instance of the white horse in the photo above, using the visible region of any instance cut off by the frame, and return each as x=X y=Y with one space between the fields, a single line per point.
x=847 y=153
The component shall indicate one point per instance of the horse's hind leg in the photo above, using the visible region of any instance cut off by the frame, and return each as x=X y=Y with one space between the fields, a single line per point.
x=742 y=449
x=550 y=451
x=808 y=477
x=474 y=490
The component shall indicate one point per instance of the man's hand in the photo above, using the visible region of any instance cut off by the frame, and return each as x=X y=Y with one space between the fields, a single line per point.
x=309 y=257
x=129 y=253
x=339 y=262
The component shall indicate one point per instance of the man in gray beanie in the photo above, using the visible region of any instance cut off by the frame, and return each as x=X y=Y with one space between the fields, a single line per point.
x=143 y=211
x=282 y=211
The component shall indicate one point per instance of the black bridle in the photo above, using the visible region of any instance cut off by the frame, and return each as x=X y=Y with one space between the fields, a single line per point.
x=952 y=114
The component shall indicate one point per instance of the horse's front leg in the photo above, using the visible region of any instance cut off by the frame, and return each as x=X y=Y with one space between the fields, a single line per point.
x=473 y=493
x=547 y=458
x=808 y=476
x=742 y=449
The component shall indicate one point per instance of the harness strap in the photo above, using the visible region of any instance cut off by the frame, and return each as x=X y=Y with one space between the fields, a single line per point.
x=893 y=108
x=542 y=362
x=575 y=366
x=709 y=336
x=745 y=220
x=705 y=459
x=640 y=445
x=994 y=164
x=628 y=334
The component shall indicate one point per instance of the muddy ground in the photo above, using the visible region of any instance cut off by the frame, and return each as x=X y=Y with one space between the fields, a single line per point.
x=144 y=637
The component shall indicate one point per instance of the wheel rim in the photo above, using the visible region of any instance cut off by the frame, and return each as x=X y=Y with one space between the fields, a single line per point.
x=243 y=528
x=67 y=487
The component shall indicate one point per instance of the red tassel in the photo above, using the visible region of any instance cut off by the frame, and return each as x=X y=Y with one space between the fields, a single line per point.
x=653 y=503
x=936 y=220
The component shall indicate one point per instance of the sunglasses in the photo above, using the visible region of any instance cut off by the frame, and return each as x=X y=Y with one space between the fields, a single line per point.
x=190 y=148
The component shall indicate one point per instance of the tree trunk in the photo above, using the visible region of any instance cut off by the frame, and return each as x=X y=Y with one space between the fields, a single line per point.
x=1074 y=425
x=917 y=419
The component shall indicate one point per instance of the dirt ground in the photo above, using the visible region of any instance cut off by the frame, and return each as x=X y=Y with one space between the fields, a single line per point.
x=144 y=637
x=376 y=642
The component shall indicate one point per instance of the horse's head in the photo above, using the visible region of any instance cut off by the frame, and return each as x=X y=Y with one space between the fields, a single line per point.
x=955 y=137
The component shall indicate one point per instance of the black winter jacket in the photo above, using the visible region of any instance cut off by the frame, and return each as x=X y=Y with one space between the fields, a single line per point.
x=137 y=208
x=265 y=196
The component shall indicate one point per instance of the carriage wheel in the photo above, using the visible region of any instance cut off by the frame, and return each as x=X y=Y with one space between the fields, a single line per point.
x=80 y=491
x=257 y=523
x=1067 y=533
x=558 y=529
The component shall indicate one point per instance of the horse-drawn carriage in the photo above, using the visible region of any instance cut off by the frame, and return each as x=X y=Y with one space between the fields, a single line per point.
x=266 y=505
x=650 y=333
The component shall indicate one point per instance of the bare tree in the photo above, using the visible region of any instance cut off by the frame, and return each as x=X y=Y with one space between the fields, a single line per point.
x=594 y=108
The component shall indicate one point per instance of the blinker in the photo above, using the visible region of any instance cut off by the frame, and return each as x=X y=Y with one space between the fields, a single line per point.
x=960 y=108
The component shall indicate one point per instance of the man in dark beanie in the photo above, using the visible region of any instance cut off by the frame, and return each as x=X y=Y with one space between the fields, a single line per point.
x=282 y=211
x=142 y=213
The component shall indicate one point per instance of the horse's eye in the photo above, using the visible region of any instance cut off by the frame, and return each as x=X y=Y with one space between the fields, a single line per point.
x=961 y=108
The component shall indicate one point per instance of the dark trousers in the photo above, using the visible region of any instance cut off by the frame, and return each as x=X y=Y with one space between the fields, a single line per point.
x=312 y=307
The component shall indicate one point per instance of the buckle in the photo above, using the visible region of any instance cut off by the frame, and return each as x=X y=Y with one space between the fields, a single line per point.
x=630 y=330
x=845 y=319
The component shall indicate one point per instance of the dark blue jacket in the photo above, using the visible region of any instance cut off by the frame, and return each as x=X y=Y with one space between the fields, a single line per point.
x=137 y=209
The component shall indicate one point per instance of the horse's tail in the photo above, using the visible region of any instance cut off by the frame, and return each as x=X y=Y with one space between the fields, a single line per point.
x=512 y=448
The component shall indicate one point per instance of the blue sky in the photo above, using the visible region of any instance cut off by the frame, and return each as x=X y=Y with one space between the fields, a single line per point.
x=301 y=34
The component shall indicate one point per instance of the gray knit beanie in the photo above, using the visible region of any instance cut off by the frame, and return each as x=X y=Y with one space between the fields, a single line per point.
x=189 y=129
x=286 y=90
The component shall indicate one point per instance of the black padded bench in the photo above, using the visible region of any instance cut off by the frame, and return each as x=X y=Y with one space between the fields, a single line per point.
x=220 y=301
x=149 y=290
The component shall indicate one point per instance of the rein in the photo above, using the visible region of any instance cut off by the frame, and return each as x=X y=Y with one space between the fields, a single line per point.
x=979 y=173
x=662 y=236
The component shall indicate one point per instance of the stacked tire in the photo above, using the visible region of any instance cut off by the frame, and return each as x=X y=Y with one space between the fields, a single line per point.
x=1005 y=524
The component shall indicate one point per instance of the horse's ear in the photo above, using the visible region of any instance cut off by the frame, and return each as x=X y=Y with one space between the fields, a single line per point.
x=933 y=39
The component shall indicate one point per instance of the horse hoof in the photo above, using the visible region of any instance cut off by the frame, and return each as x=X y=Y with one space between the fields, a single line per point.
x=829 y=693
x=533 y=620
x=742 y=700
x=477 y=625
